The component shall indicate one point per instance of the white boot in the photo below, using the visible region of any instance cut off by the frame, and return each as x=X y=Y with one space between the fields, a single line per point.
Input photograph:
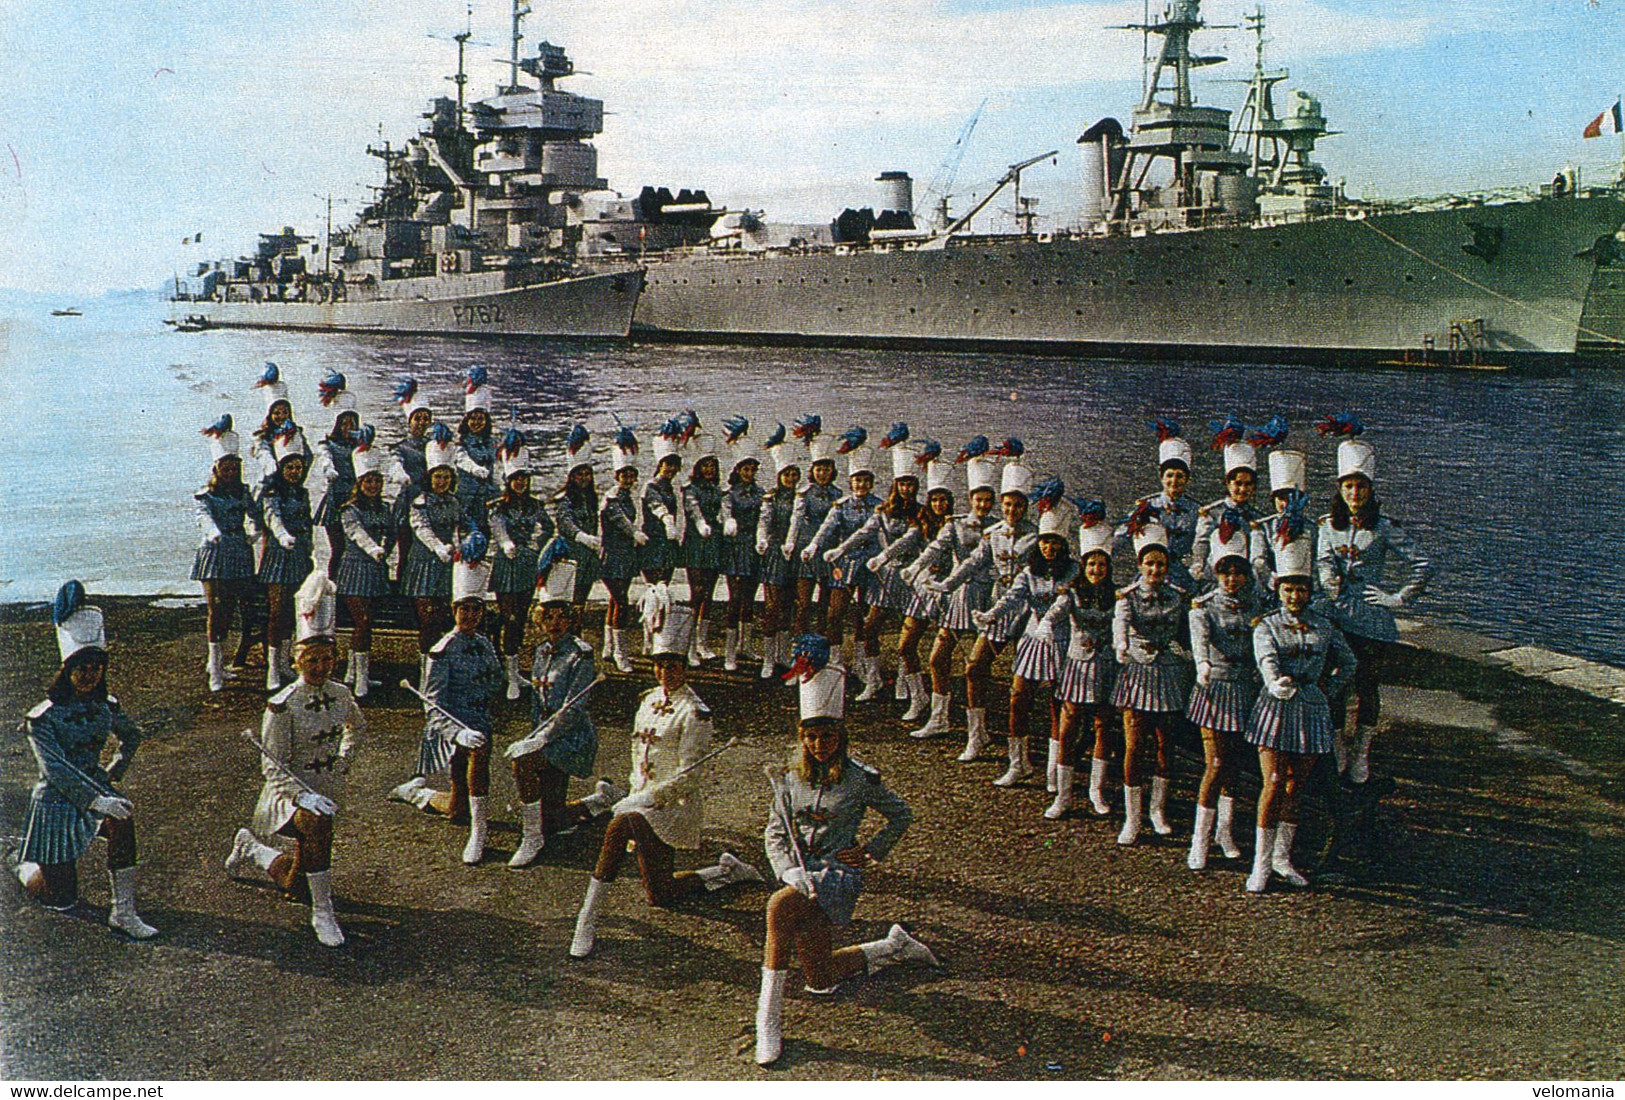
x=1360 y=754
x=122 y=914
x=730 y=649
x=769 y=1016
x=702 y=640
x=1159 y=803
x=1019 y=767
x=531 y=837
x=1221 y=829
x=516 y=682
x=770 y=652
x=694 y=660
x=608 y=649
x=587 y=919
x=474 y=850
x=1051 y=767
x=285 y=655
x=781 y=656
x=729 y=871
x=1281 y=863
x=975 y=731
x=919 y=700
x=873 y=681
x=1263 y=850
x=423 y=672
x=349 y=669
x=900 y=691
x=1132 y=797
x=937 y=724
x=363 y=672
x=245 y=849
x=1097 y=788
x=1201 y=837
x=898 y=946
x=623 y=650
x=273 y=668
x=322 y=918
x=603 y=797
x=1063 y=791
x=217 y=666
x=1340 y=750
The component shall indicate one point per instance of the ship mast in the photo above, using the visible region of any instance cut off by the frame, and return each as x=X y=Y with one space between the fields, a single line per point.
x=520 y=10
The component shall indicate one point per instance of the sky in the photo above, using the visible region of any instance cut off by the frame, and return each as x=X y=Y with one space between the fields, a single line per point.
x=131 y=124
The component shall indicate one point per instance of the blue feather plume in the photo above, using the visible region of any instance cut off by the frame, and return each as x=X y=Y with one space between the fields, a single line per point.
x=1344 y=424
x=1090 y=512
x=1230 y=522
x=577 y=440
x=1226 y=431
x=926 y=451
x=1294 y=518
x=405 y=391
x=330 y=387
x=477 y=377
x=1048 y=493
x=69 y=599
x=810 y=655
x=809 y=426
x=270 y=376
x=512 y=440
x=365 y=436
x=777 y=437
x=851 y=439
x=1166 y=428
x=626 y=439
x=557 y=549
x=219 y=427
x=473 y=547
x=1010 y=448
x=441 y=435
x=897 y=434
x=1272 y=434
x=976 y=448
x=734 y=429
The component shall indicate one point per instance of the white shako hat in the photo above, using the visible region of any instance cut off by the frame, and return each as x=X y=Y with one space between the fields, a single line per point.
x=513 y=457
x=1057 y=521
x=821 y=448
x=286 y=444
x=787 y=454
x=1055 y=513
x=982 y=472
x=1355 y=456
x=933 y=470
x=625 y=449
x=902 y=462
x=316 y=609
x=1236 y=546
x=477 y=390
x=335 y=394
x=1016 y=477
x=223 y=442
x=701 y=445
x=367 y=457
x=665 y=446
x=1289 y=470
x=860 y=460
x=271 y=386
x=1240 y=456
x=671 y=624
x=1152 y=534
x=440 y=449
x=78 y=625
x=559 y=586
x=578 y=449
x=410 y=399
x=741 y=449
x=1094 y=532
x=939 y=474
x=1295 y=559
x=1170 y=447
x=470 y=571
x=1229 y=436
x=822 y=684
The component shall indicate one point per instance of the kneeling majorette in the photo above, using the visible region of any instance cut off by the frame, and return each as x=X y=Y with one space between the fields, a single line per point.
x=671 y=738
x=1291 y=721
x=464 y=677
x=307 y=739
x=76 y=799
x=812 y=840
x=562 y=741
x=1222 y=622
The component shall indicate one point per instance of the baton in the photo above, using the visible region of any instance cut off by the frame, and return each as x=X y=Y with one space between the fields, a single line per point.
x=552 y=719
x=789 y=826
x=248 y=735
x=428 y=702
x=103 y=789
x=666 y=783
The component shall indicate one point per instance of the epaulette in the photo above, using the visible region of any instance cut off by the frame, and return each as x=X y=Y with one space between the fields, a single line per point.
x=39 y=711
x=1123 y=593
x=1177 y=588
x=281 y=697
x=1326 y=517
x=869 y=772
x=584 y=646
x=440 y=646
x=1202 y=600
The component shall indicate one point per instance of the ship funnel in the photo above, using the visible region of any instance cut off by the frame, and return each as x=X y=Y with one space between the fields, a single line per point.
x=897 y=192
x=1101 y=150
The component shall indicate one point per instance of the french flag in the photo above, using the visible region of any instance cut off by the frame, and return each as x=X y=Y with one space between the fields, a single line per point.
x=1613 y=118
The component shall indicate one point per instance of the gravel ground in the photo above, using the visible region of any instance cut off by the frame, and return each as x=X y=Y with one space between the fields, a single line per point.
x=1485 y=939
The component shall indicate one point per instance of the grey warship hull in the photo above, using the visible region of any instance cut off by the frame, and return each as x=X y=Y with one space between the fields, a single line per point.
x=1360 y=288
x=600 y=305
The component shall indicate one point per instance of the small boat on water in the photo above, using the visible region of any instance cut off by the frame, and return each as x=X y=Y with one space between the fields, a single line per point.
x=192 y=322
x=69 y=312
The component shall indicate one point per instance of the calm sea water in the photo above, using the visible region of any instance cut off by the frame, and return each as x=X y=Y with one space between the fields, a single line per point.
x=1513 y=486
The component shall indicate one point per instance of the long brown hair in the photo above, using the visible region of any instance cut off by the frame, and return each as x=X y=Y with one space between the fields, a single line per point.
x=897 y=507
x=1366 y=518
x=62 y=690
x=810 y=771
x=928 y=521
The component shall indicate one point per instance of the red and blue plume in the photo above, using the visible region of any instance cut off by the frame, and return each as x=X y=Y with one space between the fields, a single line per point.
x=512 y=440
x=286 y=433
x=671 y=428
x=807 y=427
x=69 y=599
x=1272 y=434
x=976 y=448
x=851 y=439
x=364 y=437
x=441 y=434
x=270 y=376
x=472 y=549
x=1090 y=512
x=897 y=434
x=1294 y=518
x=1145 y=513
x=1344 y=424
x=577 y=440
x=406 y=391
x=477 y=377
x=1226 y=431
x=1230 y=522
x=926 y=451
x=331 y=386
x=688 y=424
x=1010 y=448
x=557 y=549
x=809 y=655
x=1166 y=428
x=734 y=429
x=777 y=437
x=1048 y=493
x=219 y=427
x=626 y=439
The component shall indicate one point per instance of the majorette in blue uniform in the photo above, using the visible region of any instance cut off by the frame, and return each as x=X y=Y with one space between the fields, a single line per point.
x=476 y=448
x=894 y=565
x=1289 y=481
x=1240 y=480
x=228 y=517
x=287 y=560
x=660 y=516
x=623 y=539
x=575 y=515
x=741 y=518
x=813 y=501
x=775 y=544
x=701 y=553
x=332 y=476
x=369 y=532
x=519 y=527
x=1172 y=512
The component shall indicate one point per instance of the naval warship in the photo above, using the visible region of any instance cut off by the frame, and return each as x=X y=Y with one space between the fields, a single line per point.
x=463 y=237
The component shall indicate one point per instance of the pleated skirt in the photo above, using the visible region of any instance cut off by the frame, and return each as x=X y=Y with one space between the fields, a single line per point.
x=1008 y=625
x=516 y=575
x=57 y=831
x=1037 y=659
x=776 y=570
x=887 y=590
x=425 y=576
x=1225 y=706
x=434 y=754
x=289 y=567
x=230 y=558
x=740 y=559
x=360 y=576
x=1301 y=724
x=1156 y=687
x=961 y=602
x=660 y=553
x=332 y=502
x=816 y=570
x=926 y=607
x=1088 y=681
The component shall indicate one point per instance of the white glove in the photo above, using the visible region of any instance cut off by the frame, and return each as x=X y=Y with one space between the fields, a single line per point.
x=761 y=547
x=443 y=552
x=832 y=555
x=591 y=542
x=730 y=527
x=910 y=574
x=640 y=538
x=316 y=803
x=1204 y=673
x=632 y=803
x=983 y=619
x=670 y=524
x=1393 y=601
x=523 y=747
x=212 y=537
x=1122 y=655
x=702 y=528
x=873 y=564
x=798 y=880
x=288 y=542
x=470 y=739
x=936 y=586
x=807 y=555
x=510 y=550
x=483 y=473
x=121 y=809
x=788 y=551
x=377 y=554
x=1283 y=688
